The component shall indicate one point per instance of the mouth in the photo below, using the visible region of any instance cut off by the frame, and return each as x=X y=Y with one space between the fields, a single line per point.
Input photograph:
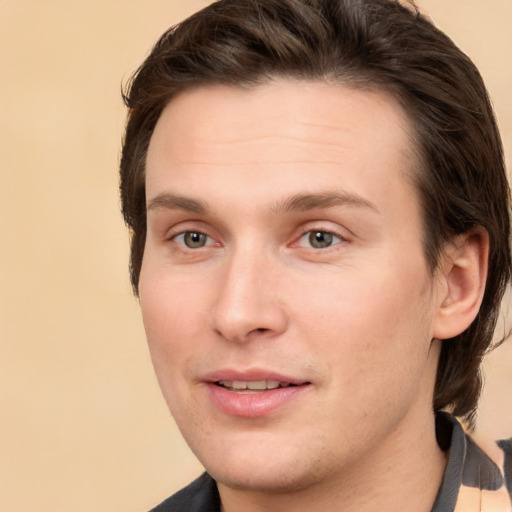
x=254 y=396
x=254 y=392
x=251 y=387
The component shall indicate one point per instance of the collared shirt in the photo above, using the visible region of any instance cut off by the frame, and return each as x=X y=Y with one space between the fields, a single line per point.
x=474 y=481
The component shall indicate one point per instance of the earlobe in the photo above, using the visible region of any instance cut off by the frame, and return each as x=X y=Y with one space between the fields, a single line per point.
x=463 y=275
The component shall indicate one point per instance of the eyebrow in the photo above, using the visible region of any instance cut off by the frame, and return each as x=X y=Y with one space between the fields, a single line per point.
x=295 y=203
x=167 y=201
x=305 y=202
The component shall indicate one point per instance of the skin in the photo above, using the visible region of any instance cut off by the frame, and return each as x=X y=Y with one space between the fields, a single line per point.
x=357 y=320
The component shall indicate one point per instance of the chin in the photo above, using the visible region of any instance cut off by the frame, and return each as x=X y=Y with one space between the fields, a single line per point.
x=265 y=467
x=264 y=479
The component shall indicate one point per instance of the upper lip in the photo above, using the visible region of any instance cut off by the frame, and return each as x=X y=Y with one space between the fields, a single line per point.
x=251 y=375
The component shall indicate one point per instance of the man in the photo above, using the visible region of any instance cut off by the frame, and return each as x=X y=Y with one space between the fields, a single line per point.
x=320 y=221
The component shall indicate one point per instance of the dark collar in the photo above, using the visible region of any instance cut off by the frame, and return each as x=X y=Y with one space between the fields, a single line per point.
x=468 y=465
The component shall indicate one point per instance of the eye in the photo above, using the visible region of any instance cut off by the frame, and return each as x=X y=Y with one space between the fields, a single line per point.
x=192 y=239
x=319 y=239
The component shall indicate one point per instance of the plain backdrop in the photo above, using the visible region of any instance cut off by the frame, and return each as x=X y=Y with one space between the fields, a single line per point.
x=83 y=426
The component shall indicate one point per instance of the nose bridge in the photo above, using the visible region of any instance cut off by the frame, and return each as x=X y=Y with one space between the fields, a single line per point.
x=248 y=301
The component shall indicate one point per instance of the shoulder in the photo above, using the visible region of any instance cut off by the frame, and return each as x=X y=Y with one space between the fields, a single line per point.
x=199 y=496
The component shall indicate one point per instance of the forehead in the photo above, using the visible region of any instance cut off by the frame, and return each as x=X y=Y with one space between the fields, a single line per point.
x=284 y=104
x=285 y=135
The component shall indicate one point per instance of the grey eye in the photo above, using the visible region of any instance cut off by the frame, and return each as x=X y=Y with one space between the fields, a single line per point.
x=320 y=239
x=193 y=239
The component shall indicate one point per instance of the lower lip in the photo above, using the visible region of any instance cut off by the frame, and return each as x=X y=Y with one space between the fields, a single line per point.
x=253 y=405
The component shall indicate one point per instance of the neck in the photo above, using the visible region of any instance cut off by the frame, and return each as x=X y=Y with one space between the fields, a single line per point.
x=407 y=468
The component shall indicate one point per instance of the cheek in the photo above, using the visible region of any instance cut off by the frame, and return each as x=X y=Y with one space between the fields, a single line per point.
x=172 y=316
x=171 y=304
x=171 y=324
x=374 y=324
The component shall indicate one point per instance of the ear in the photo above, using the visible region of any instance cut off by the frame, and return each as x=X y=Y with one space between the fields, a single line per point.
x=462 y=275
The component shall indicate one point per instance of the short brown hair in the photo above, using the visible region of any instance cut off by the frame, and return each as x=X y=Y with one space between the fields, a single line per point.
x=378 y=44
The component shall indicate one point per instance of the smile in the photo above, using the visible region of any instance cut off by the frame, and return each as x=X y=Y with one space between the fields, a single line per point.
x=252 y=386
x=254 y=398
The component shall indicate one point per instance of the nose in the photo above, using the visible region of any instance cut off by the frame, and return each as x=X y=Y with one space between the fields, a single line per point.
x=249 y=302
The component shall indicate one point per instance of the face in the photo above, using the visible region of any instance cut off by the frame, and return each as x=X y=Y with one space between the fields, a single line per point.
x=285 y=294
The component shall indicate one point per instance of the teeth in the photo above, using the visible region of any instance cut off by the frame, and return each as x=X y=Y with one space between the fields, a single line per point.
x=258 y=385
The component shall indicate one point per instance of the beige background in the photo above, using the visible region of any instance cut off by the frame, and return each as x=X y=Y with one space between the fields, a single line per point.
x=82 y=423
